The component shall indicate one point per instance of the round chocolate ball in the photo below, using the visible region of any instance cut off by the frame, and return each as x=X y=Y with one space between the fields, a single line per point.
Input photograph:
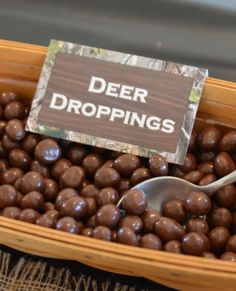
x=8 y=196
x=90 y=191
x=208 y=179
x=8 y=97
x=189 y=163
x=50 y=190
x=11 y=175
x=108 y=164
x=226 y=196
x=206 y=167
x=29 y=215
x=126 y=236
x=228 y=142
x=92 y=206
x=46 y=221
x=11 y=212
x=149 y=218
x=102 y=232
x=32 y=181
x=53 y=214
x=209 y=255
x=228 y=256
x=76 y=207
x=195 y=244
x=220 y=217
x=91 y=163
x=20 y=159
x=194 y=176
x=47 y=151
x=68 y=224
x=33 y=200
x=223 y=164
x=197 y=203
x=107 y=195
x=218 y=237
x=72 y=178
x=197 y=224
x=140 y=175
x=108 y=215
x=88 y=231
x=174 y=209
x=76 y=153
x=36 y=166
x=231 y=244
x=64 y=195
x=30 y=142
x=158 y=165
x=173 y=246
x=126 y=164
x=60 y=167
x=150 y=241
x=134 y=222
x=106 y=177
x=134 y=201
x=15 y=130
x=168 y=229
x=208 y=138
x=14 y=110
x=8 y=144
x=48 y=206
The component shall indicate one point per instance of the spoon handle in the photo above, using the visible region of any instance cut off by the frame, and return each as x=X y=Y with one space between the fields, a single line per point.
x=211 y=188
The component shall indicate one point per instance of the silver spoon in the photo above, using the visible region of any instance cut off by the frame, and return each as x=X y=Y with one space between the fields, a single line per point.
x=161 y=189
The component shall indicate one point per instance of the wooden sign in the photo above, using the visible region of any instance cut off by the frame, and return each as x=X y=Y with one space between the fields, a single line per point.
x=116 y=101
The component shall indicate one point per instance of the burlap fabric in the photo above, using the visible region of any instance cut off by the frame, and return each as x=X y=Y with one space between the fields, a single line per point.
x=21 y=272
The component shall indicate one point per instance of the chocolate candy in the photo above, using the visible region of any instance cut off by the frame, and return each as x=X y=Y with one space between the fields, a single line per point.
x=46 y=221
x=150 y=241
x=149 y=217
x=30 y=142
x=106 y=177
x=194 y=176
x=88 y=231
x=102 y=232
x=76 y=207
x=203 y=157
x=208 y=138
x=134 y=202
x=29 y=215
x=90 y=191
x=36 y=166
x=124 y=185
x=60 y=167
x=91 y=222
x=195 y=244
x=168 y=229
x=91 y=163
x=76 y=153
x=231 y=244
x=11 y=212
x=209 y=255
x=158 y=165
x=3 y=124
x=8 y=196
x=92 y=206
x=197 y=224
x=53 y=214
x=50 y=190
x=47 y=151
x=228 y=142
x=228 y=256
x=218 y=237
x=125 y=164
x=174 y=209
x=33 y=200
x=206 y=167
x=108 y=215
x=11 y=175
x=226 y=196
x=72 y=178
x=47 y=206
x=140 y=175
x=131 y=221
x=126 y=236
x=8 y=144
x=64 y=195
x=20 y=159
x=220 y=217
x=173 y=246
x=197 y=203
x=189 y=163
x=8 y=97
x=15 y=130
x=4 y=165
x=32 y=181
x=68 y=224
x=208 y=179
x=14 y=110
x=107 y=195
x=223 y=164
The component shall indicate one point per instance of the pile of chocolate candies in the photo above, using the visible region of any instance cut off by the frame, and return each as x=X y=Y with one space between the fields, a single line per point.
x=76 y=188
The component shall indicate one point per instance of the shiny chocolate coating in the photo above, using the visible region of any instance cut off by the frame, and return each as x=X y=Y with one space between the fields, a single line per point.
x=203 y=157
x=194 y=176
x=168 y=229
x=134 y=202
x=14 y=110
x=197 y=224
x=102 y=232
x=107 y=195
x=228 y=256
x=11 y=212
x=11 y=175
x=150 y=241
x=209 y=255
x=72 y=178
x=53 y=214
x=32 y=181
x=88 y=231
x=30 y=142
x=149 y=217
x=8 y=196
x=91 y=222
x=64 y=195
x=218 y=237
x=228 y=142
x=208 y=138
x=223 y=164
x=106 y=177
x=90 y=191
x=91 y=163
x=60 y=167
x=126 y=236
x=20 y=159
x=134 y=222
x=92 y=206
x=220 y=217
x=76 y=207
x=8 y=144
x=124 y=185
x=208 y=179
x=4 y=165
x=158 y=165
x=47 y=151
x=189 y=164
x=15 y=130
x=192 y=142
x=108 y=215
x=50 y=190
x=36 y=166
x=195 y=244
x=3 y=124
x=47 y=206
x=46 y=221
x=226 y=196
x=33 y=200
x=76 y=153
x=231 y=244
x=140 y=175
x=126 y=164
x=206 y=167
x=29 y=215
x=174 y=209
x=17 y=184
x=173 y=246
x=68 y=224
x=8 y=97
x=197 y=203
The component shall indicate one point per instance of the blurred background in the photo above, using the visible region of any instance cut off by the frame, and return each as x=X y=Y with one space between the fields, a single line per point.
x=196 y=32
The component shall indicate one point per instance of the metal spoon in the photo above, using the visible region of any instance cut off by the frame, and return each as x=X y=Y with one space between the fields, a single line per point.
x=161 y=189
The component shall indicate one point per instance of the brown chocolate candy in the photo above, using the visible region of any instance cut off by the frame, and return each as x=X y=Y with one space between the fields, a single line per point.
x=32 y=181
x=91 y=222
x=50 y=190
x=8 y=97
x=150 y=241
x=14 y=110
x=106 y=177
x=197 y=203
x=158 y=165
x=223 y=164
x=76 y=153
x=17 y=184
x=231 y=244
x=107 y=195
x=30 y=142
x=134 y=201
x=226 y=196
x=194 y=176
x=209 y=255
x=228 y=256
x=124 y=185
x=8 y=196
x=68 y=224
x=8 y=144
x=11 y=212
x=46 y=221
x=19 y=197
x=64 y=195
x=228 y=142
x=126 y=164
x=206 y=167
x=60 y=167
x=173 y=246
x=108 y=164
x=195 y=243
x=126 y=236
x=90 y=191
x=168 y=229
x=88 y=231
x=203 y=157
x=3 y=124
x=102 y=232
x=140 y=175
x=197 y=224
x=53 y=214
x=47 y=206
x=91 y=163
x=108 y=215
x=29 y=215
x=218 y=237
x=149 y=217
x=189 y=164
x=20 y=159
x=134 y=222
x=4 y=165
x=72 y=177
x=208 y=138
x=33 y=200
x=174 y=209
x=36 y=166
x=11 y=175
x=47 y=151
x=76 y=207
x=92 y=206
x=208 y=179
x=15 y=130
x=220 y=217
